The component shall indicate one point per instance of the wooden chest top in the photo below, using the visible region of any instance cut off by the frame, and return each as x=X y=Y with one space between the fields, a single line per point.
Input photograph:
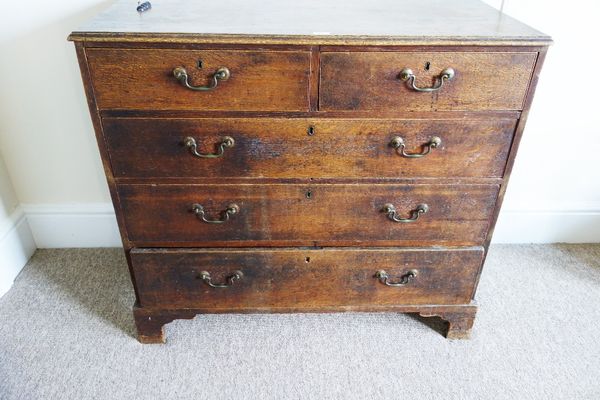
x=311 y=21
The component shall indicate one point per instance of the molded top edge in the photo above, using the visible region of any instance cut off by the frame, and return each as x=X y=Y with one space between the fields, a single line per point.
x=310 y=22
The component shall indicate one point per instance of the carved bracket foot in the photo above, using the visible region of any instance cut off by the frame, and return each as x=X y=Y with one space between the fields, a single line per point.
x=460 y=319
x=150 y=323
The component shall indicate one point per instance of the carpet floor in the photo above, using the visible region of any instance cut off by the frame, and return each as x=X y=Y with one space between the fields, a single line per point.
x=67 y=332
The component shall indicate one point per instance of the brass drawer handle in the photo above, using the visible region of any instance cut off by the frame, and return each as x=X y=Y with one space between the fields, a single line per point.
x=408 y=76
x=392 y=214
x=191 y=144
x=235 y=276
x=404 y=279
x=398 y=144
x=221 y=74
x=231 y=209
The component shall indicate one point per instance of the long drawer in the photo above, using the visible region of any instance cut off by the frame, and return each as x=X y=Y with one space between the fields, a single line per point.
x=235 y=279
x=425 y=81
x=305 y=148
x=295 y=214
x=145 y=79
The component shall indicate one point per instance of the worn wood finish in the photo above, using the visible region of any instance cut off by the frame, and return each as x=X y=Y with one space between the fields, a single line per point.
x=97 y=123
x=413 y=48
x=170 y=278
x=143 y=79
x=287 y=148
x=104 y=39
x=302 y=197
x=370 y=80
x=150 y=321
x=460 y=319
x=311 y=21
x=309 y=181
x=344 y=114
x=281 y=214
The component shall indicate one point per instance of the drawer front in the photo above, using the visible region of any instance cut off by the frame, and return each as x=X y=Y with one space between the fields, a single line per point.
x=300 y=278
x=372 y=80
x=304 y=148
x=144 y=79
x=320 y=214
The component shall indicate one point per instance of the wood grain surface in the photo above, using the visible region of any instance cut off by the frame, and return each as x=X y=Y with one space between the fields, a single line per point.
x=314 y=21
x=370 y=80
x=150 y=321
x=303 y=277
x=143 y=79
x=313 y=102
x=300 y=215
x=288 y=148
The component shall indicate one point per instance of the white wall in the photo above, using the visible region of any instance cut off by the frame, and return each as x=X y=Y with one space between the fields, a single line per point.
x=8 y=197
x=48 y=144
x=45 y=131
x=554 y=191
x=16 y=240
x=46 y=141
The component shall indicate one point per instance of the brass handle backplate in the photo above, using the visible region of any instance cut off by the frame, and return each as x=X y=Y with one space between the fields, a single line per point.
x=409 y=77
x=231 y=209
x=392 y=214
x=229 y=280
x=398 y=144
x=403 y=281
x=226 y=142
x=221 y=74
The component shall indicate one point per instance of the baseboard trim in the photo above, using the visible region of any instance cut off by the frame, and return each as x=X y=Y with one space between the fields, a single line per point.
x=95 y=225
x=17 y=245
x=73 y=225
x=548 y=226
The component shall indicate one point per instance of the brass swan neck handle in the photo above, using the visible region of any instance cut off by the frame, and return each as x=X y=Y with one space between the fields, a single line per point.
x=221 y=74
x=409 y=77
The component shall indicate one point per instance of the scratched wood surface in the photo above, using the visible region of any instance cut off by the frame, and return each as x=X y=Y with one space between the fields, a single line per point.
x=371 y=80
x=303 y=278
x=143 y=79
x=287 y=214
x=312 y=103
x=317 y=21
x=306 y=148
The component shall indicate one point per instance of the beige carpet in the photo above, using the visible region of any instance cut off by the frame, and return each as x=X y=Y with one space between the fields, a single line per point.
x=66 y=332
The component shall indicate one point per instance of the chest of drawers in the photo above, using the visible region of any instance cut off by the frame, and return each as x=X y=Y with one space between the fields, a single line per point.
x=301 y=156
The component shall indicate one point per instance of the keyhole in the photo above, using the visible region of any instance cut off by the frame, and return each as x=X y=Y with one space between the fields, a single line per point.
x=427 y=65
x=311 y=130
x=309 y=194
x=307 y=259
x=199 y=64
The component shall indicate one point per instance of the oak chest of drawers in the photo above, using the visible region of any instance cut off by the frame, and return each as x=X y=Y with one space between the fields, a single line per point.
x=306 y=156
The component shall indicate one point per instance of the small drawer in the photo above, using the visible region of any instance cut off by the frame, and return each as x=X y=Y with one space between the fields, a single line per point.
x=304 y=148
x=236 y=279
x=278 y=214
x=145 y=79
x=424 y=81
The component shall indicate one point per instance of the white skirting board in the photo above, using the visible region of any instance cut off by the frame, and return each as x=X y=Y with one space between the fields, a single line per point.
x=549 y=226
x=16 y=248
x=95 y=225
x=73 y=225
